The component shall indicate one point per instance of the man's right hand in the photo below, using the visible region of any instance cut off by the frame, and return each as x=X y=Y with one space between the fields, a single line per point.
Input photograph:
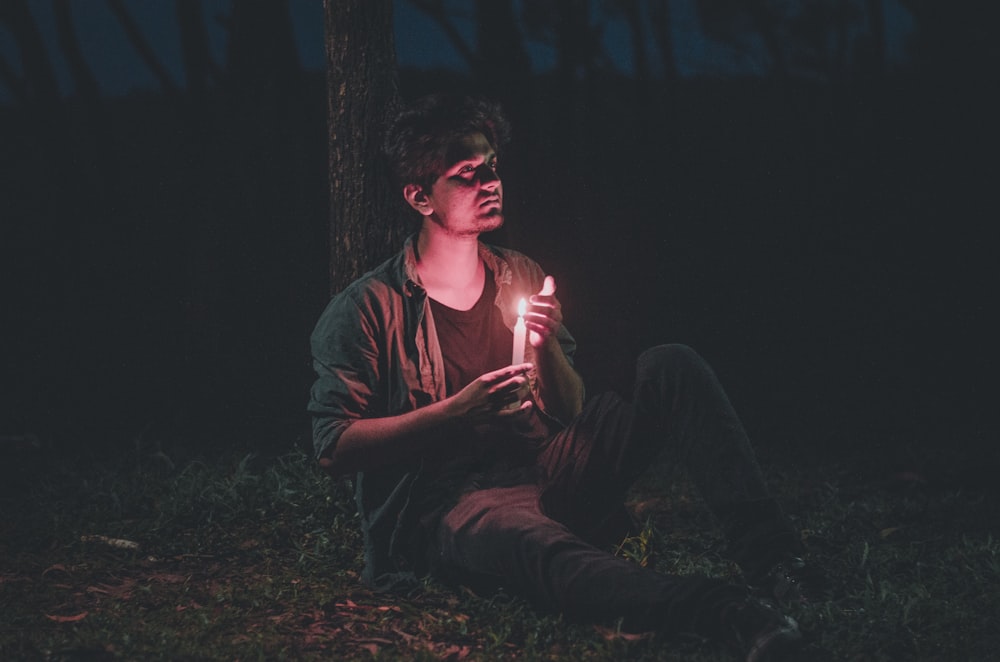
x=500 y=394
x=370 y=443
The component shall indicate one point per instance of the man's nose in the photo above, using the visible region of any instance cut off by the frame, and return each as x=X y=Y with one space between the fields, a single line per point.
x=489 y=177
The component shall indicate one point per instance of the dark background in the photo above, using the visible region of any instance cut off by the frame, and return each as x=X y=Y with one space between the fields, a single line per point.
x=812 y=213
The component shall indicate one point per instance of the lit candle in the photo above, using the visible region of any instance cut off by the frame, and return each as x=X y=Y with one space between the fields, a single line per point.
x=519 y=333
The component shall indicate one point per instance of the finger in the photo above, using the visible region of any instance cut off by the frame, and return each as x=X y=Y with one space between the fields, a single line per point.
x=552 y=317
x=546 y=295
x=548 y=287
x=518 y=411
x=539 y=305
x=505 y=373
x=509 y=385
x=545 y=329
x=504 y=399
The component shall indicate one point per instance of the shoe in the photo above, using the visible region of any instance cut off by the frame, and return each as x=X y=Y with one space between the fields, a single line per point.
x=791 y=581
x=756 y=631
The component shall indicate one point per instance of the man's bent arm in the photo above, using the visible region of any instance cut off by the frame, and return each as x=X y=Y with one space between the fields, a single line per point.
x=369 y=443
x=561 y=387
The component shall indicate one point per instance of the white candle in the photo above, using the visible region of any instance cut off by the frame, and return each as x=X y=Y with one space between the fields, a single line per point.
x=519 y=333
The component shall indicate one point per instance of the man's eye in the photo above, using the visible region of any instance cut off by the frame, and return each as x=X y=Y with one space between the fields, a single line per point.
x=466 y=170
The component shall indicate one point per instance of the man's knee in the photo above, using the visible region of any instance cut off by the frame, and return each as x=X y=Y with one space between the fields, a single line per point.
x=510 y=541
x=669 y=359
x=485 y=517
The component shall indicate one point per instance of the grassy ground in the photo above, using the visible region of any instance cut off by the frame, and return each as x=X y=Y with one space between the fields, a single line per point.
x=258 y=558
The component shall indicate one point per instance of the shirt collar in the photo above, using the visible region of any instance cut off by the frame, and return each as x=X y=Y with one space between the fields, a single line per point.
x=496 y=263
x=411 y=280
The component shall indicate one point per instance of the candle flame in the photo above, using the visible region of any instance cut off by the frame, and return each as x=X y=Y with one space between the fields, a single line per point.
x=522 y=308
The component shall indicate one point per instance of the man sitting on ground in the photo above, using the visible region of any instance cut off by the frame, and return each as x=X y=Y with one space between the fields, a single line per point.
x=476 y=470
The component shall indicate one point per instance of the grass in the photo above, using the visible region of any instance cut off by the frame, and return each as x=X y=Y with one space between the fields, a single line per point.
x=257 y=558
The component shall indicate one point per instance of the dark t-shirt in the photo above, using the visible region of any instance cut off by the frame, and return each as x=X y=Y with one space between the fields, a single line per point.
x=473 y=341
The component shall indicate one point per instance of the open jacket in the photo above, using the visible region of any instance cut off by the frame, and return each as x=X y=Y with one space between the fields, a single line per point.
x=376 y=354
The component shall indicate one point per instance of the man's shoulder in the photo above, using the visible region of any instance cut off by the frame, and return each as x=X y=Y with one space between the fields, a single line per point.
x=382 y=279
x=375 y=289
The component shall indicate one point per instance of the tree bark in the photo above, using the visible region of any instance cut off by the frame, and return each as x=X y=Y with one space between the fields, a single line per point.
x=365 y=212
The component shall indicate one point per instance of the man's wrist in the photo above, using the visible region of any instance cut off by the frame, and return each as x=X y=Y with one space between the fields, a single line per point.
x=444 y=411
x=548 y=348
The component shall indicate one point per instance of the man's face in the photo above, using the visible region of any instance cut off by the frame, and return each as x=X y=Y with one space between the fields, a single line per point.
x=468 y=198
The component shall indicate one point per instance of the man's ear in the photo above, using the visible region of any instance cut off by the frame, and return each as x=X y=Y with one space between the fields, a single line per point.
x=417 y=198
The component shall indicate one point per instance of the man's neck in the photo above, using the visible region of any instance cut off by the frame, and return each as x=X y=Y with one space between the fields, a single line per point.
x=449 y=266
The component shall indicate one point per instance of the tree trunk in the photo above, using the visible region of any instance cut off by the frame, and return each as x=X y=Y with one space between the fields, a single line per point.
x=365 y=219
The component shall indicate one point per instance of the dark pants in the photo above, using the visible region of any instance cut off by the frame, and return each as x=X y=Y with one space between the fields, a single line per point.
x=534 y=539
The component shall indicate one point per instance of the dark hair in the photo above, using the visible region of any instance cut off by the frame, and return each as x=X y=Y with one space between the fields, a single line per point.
x=417 y=142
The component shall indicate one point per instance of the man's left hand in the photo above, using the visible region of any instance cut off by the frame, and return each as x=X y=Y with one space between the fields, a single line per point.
x=544 y=315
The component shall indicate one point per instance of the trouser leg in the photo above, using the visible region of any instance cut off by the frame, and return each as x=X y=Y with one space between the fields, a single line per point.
x=533 y=539
x=678 y=407
x=502 y=533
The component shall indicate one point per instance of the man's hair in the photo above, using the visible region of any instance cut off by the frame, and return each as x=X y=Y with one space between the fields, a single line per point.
x=417 y=142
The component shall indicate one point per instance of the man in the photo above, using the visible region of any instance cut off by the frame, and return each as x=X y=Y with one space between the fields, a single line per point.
x=478 y=471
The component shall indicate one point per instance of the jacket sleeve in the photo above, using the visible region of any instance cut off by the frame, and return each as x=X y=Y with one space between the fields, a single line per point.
x=346 y=361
